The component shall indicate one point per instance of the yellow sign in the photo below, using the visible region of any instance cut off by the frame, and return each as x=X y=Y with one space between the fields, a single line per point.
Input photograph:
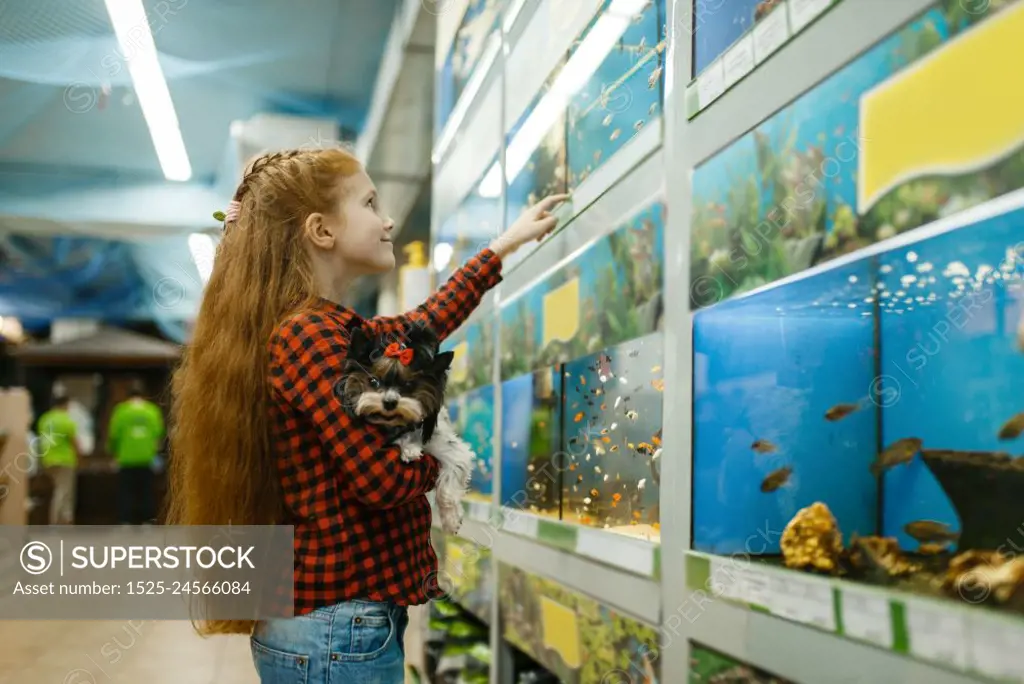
x=957 y=110
x=562 y=312
x=561 y=631
x=460 y=363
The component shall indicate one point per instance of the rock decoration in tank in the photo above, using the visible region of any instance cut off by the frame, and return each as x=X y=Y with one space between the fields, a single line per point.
x=985 y=489
x=986 y=576
x=812 y=540
x=878 y=558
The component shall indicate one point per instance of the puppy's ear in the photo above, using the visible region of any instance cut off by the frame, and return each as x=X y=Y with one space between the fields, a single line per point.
x=443 y=361
x=358 y=344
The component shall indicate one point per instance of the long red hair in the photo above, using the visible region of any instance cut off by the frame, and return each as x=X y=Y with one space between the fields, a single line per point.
x=222 y=468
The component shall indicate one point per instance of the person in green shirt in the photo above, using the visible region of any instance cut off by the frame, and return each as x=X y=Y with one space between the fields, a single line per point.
x=58 y=453
x=134 y=436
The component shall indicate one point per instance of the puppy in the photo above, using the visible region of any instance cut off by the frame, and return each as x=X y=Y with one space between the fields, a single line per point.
x=398 y=383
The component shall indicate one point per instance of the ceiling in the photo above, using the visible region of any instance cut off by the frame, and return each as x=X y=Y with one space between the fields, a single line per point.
x=78 y=166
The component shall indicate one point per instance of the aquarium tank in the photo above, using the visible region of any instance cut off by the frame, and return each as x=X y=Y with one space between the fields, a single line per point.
x=624 y=91
x=530 y=420
x=868 y=416
x=612 y=438
x=472 y=415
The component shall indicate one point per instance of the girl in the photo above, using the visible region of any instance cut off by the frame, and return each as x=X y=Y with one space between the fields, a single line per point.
x=261 y=438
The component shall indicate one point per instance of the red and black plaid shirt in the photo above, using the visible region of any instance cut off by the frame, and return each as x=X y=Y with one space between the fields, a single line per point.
x=362 y=527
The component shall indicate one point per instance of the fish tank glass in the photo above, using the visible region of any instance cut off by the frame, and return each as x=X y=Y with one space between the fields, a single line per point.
x=535 y=153
x=531 y=418
x=472 y=414
x=469 y=228
x=717 y=25
x=869 y=417
x=477 y=29
x=611 y=438
x=624 y=89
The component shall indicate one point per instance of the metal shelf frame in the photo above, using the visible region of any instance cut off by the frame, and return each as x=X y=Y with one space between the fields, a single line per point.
x=788 y=649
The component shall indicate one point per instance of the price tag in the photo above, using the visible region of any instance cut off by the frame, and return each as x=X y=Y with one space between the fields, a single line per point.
x=755 y=587
x=937 y=635
x=479 y=511
x=520 y=523
x=802 y=601
x=770 y=33
x=711 y=84
x=739 y=60
x=996 y=647
x=866 y=616
x=803 y=12
x=722 y=578
x=625 y=552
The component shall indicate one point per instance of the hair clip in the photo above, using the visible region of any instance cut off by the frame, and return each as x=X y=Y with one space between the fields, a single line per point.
x=230 y=215
x=396 y=351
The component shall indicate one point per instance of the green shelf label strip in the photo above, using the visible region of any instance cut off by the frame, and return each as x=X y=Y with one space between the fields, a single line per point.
x=769 y=33
x=975 y=641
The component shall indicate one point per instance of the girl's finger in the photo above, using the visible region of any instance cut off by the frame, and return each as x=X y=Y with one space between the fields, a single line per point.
x=550 y=201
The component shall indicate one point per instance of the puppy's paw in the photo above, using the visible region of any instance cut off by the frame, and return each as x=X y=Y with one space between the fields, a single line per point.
x=451 y=517
x=411 y=451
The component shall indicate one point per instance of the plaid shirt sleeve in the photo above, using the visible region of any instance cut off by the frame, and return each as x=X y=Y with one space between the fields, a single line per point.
x=450 y=306
x=307 y=355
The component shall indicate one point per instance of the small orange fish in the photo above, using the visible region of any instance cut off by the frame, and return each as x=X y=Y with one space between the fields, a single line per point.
x=578 y=417
x=637 y=515
x=763 y=446
x=776 y=479
x=645 y=449
x=583 y=380
x=840 y=411
x=594 y=492
x=579 y=478
x=572 y=466
x=658 y=385
x=606 y=440
x=616 y=497
x=1013 y=428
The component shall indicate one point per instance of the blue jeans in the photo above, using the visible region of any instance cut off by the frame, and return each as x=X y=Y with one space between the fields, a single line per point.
x=357 y=642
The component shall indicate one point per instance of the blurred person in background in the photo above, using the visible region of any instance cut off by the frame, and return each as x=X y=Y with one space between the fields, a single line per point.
x=136 y=430
x=58 y=451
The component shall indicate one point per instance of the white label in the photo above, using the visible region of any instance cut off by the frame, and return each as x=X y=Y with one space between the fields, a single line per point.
x=803 y=601
x=755 y=587
x=479 y=511
x=937 y=635
x=711 y=84
x=770 y=33
x=739 y=60
x=866 y=616
x=724 y=579
x=803 y=12
x=996 y=647
x=619 y=550
x=520 y=523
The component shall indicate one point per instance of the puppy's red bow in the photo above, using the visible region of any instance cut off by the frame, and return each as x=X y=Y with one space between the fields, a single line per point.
x=395 y=351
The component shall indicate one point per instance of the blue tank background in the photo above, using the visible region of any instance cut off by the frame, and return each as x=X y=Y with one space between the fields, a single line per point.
x=516 y=410
x=955 y=366
x=473 y=416
x=716 y=25
x=769 y=367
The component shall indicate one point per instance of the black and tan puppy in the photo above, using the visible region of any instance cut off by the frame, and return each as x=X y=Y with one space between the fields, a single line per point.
x=398 y=382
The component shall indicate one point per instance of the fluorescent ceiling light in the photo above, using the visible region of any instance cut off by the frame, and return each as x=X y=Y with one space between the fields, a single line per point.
x=469 y=93
x=580 y=68
x=137 y=48
x=201 y=246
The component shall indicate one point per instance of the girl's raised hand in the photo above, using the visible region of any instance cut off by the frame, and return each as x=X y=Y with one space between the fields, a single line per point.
x=534 y=224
